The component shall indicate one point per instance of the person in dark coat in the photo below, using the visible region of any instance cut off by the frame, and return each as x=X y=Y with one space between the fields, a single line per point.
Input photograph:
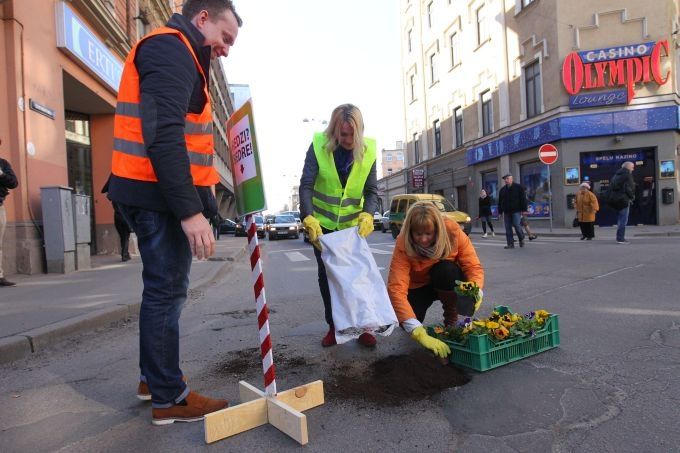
x=485 y=212
x=512 y=202
x=623 y=187
x=8 y=180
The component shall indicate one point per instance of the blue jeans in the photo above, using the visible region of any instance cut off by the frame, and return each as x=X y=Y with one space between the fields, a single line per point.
x=511 y=220
x=621 y=222
x=166 y=257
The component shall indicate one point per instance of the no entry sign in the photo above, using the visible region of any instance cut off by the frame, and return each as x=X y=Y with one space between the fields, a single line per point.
x=548 y=154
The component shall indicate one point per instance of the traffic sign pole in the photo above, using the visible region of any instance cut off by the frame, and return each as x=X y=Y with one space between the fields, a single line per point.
x=547 y=153
x=550 y=199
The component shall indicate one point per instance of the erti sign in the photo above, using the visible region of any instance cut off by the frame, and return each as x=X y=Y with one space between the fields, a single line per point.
x=548 y=154
x=623 y=66
x=245 y=161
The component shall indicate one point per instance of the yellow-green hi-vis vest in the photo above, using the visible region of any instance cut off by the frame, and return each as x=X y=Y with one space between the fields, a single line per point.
x=334 y=207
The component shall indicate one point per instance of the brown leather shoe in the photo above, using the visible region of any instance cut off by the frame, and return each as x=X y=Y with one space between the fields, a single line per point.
x=190 y=409
x=143 y=392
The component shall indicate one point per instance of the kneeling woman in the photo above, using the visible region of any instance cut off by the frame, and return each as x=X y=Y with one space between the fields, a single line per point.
x=431 y=253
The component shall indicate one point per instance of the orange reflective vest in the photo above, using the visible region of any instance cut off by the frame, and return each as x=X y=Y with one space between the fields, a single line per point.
x=130 y=159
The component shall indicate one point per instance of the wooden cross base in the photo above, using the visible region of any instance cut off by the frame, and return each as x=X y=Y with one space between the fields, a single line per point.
x=284 y=411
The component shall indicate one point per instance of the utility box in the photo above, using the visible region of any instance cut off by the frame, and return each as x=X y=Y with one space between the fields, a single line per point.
x=82 y=223
x=571 y=201
x=58 y=228
x=667 y=196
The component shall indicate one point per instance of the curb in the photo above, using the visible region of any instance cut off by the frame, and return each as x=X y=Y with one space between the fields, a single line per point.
x=24 y=344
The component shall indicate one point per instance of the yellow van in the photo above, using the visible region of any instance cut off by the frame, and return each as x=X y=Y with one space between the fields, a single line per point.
x=401 y=203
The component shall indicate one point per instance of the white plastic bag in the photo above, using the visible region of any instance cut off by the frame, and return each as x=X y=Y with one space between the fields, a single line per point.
x=358 y=294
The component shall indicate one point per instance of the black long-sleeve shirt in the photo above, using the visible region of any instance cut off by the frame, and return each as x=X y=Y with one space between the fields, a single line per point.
x=311 y=170
x=170 y=87
x=8 y=180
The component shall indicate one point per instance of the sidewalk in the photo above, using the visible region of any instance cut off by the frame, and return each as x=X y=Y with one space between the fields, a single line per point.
x=47 y=308
x=540 y=228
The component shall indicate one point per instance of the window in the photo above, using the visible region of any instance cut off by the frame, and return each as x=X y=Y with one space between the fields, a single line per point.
x=458 y=126
x=482 y=25
x=389 y=157
x=409 y=38
x=416 y=148
x=490 y=184
x=400 y=156
x=433 y=69
x=487 y=114
x=429 y=14
x=413 y=87
x=534 y=178
x=532 y=85
x=437 y=138
x=526 y=3
x=454 y=43
x=389 y=171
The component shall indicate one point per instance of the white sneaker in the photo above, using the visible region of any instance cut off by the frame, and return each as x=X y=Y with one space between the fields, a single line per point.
x=484 y=235
x=493 y=234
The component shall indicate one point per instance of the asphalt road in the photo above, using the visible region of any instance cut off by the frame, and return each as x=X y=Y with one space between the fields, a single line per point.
x=612 y=385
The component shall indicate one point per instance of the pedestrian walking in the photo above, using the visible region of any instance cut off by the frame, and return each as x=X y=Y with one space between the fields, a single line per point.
x=586 y=209
x=124 y=231
x=512 y=202
x=484 y=203
x=524 y=222
x=430 y=255
x=622 y=189
x=162 y=178
x=338 y=190
x=215 y=222
x=8 y=180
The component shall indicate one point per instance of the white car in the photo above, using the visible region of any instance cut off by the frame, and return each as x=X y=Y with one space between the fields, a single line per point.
x=283 y=226
x=386 y=222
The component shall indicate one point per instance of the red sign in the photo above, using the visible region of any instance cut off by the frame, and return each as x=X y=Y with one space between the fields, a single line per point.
x=548 y=154
x=616 y=66
x=418 y=176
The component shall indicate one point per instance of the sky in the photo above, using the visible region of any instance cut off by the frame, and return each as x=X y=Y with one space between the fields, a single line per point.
x=303 y=58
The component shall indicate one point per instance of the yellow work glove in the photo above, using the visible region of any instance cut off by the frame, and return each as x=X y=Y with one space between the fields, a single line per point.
x=313 y=228
x=438 y=347
x=365 y=224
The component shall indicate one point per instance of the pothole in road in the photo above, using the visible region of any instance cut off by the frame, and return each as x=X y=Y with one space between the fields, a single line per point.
x=394 y=380
x=389 y=381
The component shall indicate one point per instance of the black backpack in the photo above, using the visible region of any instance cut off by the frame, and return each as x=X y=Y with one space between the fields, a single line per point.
x=613 y=198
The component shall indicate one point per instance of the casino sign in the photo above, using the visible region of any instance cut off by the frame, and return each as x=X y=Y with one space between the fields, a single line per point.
x=623 y=66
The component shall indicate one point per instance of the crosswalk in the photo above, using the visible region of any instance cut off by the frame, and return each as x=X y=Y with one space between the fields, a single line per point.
x=296 y=255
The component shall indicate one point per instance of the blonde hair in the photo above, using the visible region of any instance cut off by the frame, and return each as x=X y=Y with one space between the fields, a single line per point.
x=351 y=114
x=420 y=215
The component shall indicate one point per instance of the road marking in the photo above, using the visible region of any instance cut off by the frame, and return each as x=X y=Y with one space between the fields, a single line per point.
x=296 y=256
x=380 y=252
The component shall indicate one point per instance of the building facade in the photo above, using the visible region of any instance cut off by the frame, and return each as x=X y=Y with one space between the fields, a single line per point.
x=392 y=160
x=487 y=82
x=60 y=75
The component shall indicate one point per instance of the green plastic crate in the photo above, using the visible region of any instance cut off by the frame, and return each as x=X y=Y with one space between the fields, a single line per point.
x=482 y=354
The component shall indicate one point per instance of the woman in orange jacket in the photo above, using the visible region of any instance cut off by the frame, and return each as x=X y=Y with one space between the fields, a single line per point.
x=431 y=253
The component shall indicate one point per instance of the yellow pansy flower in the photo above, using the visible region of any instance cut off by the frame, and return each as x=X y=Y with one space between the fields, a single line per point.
x=492 y=325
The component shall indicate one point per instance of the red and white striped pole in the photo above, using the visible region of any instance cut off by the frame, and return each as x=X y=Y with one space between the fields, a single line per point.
x=262 y=310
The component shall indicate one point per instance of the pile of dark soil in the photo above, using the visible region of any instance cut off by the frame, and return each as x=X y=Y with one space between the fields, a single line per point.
x=245 y=361
x=394 y=380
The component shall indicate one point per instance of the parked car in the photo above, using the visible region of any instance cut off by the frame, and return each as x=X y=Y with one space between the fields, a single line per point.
x=386 y=222
x=227 y=226
x=240 y=229
x=401 y=203
x=284 y=226
x=377 y=221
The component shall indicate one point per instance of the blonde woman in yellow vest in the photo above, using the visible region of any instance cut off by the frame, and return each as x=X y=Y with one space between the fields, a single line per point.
x=338 y=190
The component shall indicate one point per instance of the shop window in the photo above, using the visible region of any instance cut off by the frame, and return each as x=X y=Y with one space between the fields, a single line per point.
x=490 y=184
x=532 y=85
x=534 y=179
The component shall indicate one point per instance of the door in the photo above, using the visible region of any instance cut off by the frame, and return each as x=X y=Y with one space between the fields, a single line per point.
x=461 y=193
x=599 y=167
